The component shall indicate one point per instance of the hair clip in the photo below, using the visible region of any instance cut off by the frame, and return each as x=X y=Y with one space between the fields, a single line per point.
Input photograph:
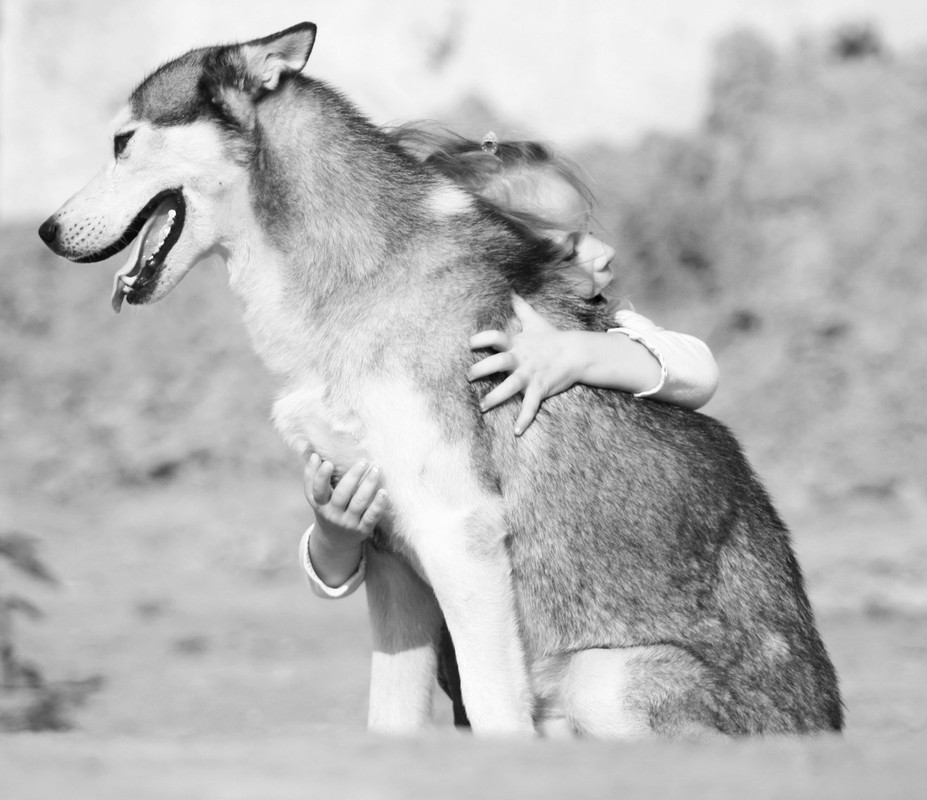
x=490 y=143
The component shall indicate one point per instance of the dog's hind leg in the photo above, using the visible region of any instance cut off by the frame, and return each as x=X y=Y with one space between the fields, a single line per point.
x=636 y=692
x=406 y=623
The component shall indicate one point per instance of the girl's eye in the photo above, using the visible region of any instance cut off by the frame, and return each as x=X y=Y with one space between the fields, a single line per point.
x=120 y=140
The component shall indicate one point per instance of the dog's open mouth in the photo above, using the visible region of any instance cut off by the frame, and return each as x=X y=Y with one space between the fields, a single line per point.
x=158 y=226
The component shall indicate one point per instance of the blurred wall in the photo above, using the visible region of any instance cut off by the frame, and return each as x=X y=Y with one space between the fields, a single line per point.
x=568 y=70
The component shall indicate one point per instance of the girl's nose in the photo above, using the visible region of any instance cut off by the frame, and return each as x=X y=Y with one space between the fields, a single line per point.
x=605 y=259
x=599 y=254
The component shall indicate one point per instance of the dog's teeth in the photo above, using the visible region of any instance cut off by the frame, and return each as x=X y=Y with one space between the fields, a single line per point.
x=171 y=214
x=129 y=280
x=126 y=289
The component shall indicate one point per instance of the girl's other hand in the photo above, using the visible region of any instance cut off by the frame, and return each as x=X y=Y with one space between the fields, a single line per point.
x=347 y=514
x=543 y=361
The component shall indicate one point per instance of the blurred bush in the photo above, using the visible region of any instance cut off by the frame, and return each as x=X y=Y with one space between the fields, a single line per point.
x=791 y=232
x=28 y=700
x=857 y=40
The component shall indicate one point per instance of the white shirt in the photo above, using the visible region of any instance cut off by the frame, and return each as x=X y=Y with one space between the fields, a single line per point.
x=688 y=370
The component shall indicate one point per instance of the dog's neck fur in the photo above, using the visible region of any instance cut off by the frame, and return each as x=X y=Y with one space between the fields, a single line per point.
x=326 y=191
x=330 y=204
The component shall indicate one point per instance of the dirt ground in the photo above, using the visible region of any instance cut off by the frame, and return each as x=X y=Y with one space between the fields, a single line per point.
x=224 y=678
x=323 y=763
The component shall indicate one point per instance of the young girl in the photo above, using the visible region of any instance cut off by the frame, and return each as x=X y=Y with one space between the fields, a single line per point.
x=530 y=184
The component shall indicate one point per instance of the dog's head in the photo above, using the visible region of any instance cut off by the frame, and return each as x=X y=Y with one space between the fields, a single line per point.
x=181 y=152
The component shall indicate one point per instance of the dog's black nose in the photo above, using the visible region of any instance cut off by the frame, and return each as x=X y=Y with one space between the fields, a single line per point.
x=48 y=230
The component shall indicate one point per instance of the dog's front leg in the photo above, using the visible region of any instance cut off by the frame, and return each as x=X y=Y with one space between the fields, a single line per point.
x=467 y=564
x=406 y=622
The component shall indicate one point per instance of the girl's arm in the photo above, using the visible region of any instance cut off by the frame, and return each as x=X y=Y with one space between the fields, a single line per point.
x=318 y=586
x=688 y=370
x=544 y=361
x=332 y=550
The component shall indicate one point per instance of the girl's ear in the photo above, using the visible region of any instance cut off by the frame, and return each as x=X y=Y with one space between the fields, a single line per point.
x=279 y=54
x=236 y=76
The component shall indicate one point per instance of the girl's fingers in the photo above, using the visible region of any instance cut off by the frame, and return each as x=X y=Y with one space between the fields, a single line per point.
x=500 y=362
x=312 y=466
x=366 y=491
x=511 y=386
x=497 y=340
x=348 y=484
x=322 y=483
x=528 y=317
x=534 y=396
x=374 y=511
x=355 y=491
x=524 y=310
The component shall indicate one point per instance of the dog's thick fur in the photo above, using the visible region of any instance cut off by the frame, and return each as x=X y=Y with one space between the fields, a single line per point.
x=619 y=567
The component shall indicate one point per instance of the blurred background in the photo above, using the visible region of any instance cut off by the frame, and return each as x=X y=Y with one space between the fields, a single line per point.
x=761 y=168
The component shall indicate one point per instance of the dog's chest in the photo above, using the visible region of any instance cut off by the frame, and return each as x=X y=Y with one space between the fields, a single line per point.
x=311 y=422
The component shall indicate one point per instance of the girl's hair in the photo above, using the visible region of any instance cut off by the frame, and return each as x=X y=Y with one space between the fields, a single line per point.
x=506 y=175
x=503 y=173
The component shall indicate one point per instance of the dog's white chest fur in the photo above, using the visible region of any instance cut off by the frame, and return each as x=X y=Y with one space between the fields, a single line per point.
x=311 y=424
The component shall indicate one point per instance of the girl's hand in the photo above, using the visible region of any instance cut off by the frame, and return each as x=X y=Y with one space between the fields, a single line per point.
x=543 y=361
x=347 y=514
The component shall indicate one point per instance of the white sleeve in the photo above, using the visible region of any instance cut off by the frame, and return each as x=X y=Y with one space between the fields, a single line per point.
x=320 y=588
x=688 y=370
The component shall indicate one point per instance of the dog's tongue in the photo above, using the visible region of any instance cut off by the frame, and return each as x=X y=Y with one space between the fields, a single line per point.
x=146 y=245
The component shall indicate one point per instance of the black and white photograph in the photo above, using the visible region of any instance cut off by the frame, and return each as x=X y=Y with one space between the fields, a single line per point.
x=463 y=399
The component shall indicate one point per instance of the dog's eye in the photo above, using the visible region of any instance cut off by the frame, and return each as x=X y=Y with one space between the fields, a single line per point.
x=120 y=140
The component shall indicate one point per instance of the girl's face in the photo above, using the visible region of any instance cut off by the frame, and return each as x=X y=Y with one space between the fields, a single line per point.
x=589 y=271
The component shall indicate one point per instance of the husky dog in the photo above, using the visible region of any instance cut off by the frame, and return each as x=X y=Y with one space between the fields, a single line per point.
x=619 y=567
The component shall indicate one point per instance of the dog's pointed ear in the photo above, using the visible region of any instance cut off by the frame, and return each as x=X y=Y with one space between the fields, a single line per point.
x=279 y=54
x=234 y=77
